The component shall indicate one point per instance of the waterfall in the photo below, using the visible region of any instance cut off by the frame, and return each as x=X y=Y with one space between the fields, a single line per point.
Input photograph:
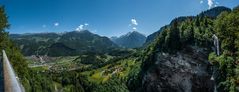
x=215 y=88
x=216 y=44
x=217 y=50
x=213 y=79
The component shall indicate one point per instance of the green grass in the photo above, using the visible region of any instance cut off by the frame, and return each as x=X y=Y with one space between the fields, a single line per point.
x=124 y=68
x=103 y=74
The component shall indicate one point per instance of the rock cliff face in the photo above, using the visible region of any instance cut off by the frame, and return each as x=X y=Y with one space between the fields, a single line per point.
x=186 y=71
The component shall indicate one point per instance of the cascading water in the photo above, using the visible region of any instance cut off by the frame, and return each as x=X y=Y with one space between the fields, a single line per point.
x=213 y=79
x=217 y=50
x=216 y=44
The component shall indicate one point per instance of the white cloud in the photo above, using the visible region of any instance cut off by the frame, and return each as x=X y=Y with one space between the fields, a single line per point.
x=82 y=27
x=201 y=1
x=210 y=3
x=134 y=22
x=79 y=28
x=56 y=24
x=86 y=24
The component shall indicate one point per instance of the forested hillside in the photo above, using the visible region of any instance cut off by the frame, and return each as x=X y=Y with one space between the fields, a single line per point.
x=192 y=38
x=180 y=57
x=62 y=44
x=14 y=55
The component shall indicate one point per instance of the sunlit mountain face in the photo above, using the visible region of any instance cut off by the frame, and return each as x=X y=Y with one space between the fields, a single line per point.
x=132 y=39
x=119 y=45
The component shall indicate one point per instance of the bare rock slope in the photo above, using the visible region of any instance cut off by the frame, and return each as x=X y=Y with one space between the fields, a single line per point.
x=186 y=71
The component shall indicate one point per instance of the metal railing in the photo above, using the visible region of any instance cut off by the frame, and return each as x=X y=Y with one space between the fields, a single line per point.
x=11 y=83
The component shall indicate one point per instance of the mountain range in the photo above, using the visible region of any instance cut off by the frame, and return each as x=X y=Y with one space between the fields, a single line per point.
x=132 y=39
x=65 y=44
x=180 y=57
x=73 y=43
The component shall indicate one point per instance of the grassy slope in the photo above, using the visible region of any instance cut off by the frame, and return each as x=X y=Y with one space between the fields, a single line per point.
x=120 y=69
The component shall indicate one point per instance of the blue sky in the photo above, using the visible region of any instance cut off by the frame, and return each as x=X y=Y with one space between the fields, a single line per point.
x=103 y=17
